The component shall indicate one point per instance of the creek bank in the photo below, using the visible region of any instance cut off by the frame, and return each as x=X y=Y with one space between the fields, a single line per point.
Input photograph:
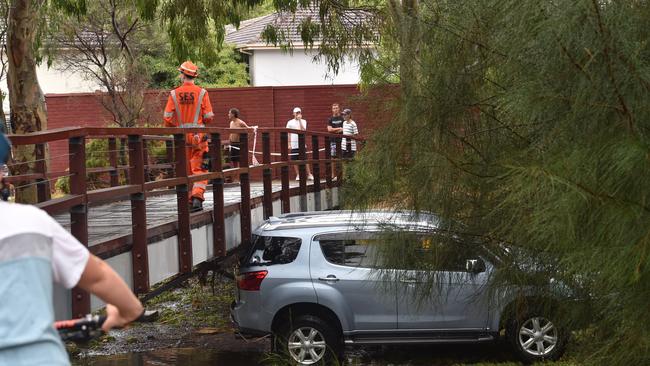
x=194 y=315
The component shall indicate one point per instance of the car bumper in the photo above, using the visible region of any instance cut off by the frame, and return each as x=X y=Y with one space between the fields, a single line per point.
x=245 y=326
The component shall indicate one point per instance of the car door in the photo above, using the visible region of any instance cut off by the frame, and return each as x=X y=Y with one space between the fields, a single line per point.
x=452 y=297
x=348 y=279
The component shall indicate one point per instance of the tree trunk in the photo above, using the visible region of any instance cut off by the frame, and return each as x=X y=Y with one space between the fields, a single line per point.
x=3 y=120
x=27 y=102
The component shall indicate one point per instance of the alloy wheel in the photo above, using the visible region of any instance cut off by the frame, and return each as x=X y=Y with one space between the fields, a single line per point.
x=538 y=336
x=307 y=345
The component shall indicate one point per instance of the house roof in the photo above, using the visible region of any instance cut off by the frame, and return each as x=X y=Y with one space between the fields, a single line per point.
x=249 y=34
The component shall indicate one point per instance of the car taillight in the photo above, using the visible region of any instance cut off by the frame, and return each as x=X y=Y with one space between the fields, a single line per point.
x=251 y=281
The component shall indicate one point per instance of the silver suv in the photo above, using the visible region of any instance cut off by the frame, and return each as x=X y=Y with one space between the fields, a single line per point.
x=315 y=281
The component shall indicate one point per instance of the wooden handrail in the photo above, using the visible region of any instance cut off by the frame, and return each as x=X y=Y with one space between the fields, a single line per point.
x=128 y=181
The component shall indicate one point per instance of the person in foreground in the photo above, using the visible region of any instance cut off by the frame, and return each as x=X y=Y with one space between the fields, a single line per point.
x=36 y=252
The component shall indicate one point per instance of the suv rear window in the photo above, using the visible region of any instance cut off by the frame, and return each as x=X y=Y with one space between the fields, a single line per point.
x=351 y=252
x=270 y=250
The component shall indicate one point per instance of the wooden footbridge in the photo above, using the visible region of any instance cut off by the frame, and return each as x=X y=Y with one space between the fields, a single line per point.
x=134 y=213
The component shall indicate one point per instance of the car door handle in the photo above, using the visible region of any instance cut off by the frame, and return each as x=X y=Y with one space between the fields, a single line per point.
x=329 y=278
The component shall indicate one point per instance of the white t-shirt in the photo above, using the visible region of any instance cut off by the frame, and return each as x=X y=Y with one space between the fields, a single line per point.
x=68 y=255
x=296 y=125
x=35 y=252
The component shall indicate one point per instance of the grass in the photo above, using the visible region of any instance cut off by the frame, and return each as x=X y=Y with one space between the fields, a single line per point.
x=195 y=305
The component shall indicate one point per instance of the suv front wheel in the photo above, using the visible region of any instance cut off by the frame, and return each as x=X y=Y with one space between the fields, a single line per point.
x=308 y=340
x=536 y=337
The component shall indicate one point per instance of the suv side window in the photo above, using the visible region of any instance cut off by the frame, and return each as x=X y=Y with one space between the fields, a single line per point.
x=270 y=250
x=442 y=251
x=350 y=250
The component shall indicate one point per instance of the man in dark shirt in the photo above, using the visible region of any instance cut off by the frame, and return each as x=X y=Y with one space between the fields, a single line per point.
x=335 y=125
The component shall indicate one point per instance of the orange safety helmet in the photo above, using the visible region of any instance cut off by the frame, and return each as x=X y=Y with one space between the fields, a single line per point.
x=188 y=68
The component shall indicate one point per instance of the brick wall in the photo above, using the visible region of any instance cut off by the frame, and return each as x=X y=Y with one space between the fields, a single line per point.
x=262 y=106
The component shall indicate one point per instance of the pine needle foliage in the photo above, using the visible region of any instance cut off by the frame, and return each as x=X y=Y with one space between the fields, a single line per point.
x=528 y=121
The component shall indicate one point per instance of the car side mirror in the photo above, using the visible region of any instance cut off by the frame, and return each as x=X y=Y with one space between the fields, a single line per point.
x=475 y=265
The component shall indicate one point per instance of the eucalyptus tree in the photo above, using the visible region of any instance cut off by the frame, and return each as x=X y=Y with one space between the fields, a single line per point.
x=4 y=62
x=25 y=21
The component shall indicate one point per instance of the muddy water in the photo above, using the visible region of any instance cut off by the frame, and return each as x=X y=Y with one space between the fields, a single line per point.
x=432 y=355
x=176 y=356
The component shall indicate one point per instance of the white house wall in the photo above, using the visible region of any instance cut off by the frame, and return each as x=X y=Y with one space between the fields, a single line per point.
x=273 y=67
x=52 y=80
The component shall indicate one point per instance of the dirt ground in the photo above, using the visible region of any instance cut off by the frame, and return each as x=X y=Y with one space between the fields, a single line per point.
x=191 y=316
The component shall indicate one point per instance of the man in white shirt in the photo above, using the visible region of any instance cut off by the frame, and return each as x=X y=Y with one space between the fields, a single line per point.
x=297 y=123
x=35 y=252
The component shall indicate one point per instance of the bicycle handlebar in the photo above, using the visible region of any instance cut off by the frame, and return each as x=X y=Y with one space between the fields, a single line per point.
x=80 y=330
x=90 y=326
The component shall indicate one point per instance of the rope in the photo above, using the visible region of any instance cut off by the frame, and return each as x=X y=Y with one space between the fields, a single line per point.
x=254 y=159
x=272 y=154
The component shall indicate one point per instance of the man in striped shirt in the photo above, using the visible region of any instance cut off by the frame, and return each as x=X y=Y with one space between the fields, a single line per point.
x=348 y=145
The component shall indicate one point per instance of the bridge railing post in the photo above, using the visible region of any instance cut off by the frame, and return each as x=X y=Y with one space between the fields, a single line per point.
x=328 y=162
x=169 y=156
x=339 y=163
x=218 y=212
x=139 y=254
x=316 y=171
x=284 y=172
x=112 y=160
x=79 y=214
x=145 y=157
x=267 y=176
x=244 y=182
x=302 y=171
x=183 y=203
x=43 y=185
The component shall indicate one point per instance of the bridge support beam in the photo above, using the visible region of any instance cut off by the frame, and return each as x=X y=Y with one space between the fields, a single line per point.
x=43 y=186
x=79 y=215
x=316 y=171
x=218 y=218
x=183 y=202
x=339 y=163
x=284 y=172
x=267 y=178
x=302 y=172
x=328 y=162
x=112 y=161
x=139 y=256
x=245 y=184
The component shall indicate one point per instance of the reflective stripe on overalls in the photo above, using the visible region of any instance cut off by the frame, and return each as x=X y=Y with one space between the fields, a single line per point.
x=197 y=111
x=195 y=121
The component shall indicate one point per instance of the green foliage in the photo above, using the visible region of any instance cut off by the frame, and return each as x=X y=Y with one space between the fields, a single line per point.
x=342 y=30
x=188 y=23
x=195 y=305
x=229 y=70
x=62 y=185
x=529 y=122
x=263 y=8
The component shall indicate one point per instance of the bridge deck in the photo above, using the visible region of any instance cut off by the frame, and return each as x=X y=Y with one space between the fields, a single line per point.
x=114 y=219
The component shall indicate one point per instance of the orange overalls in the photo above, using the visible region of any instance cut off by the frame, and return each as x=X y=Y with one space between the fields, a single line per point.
x=189 y=106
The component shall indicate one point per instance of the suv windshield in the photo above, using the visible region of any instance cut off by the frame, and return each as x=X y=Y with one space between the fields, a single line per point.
x=270 y=250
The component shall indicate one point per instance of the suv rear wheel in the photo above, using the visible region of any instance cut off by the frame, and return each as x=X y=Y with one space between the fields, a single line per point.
x=308 y=340
x=536 y=337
